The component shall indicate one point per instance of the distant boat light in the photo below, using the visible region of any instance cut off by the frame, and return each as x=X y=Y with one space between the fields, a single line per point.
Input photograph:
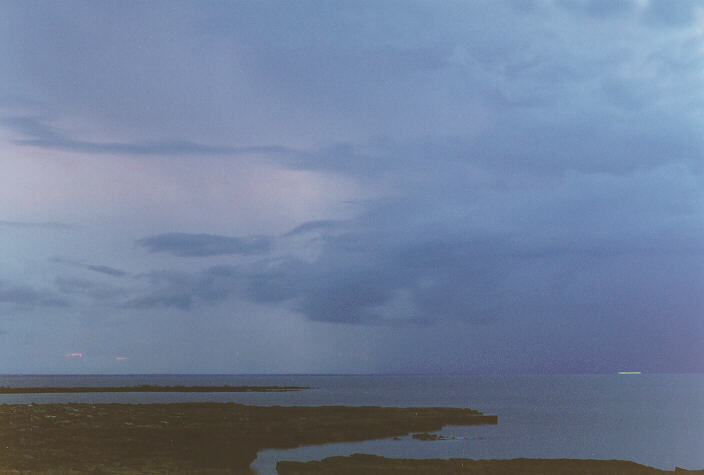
x=629 y=372
x=121 y=358
x=74 y=355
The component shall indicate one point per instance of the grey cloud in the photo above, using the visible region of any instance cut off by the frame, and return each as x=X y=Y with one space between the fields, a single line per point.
x=375 y=57
x=265 y=282
x=202 y=245
x=183 y=290
x=657 y=13
x=625 y=94
x=350 y=298
x=278 y=281
x=28 y=224
x=666 y=13
x=69 y=285
x=13 y=101
x=438 y=250
x=165 y=289
x=465 y=219
x=98 y=291
x=529 y=145
x=442 y=281
x=523 y=6
x=33 y=127
x=599 y=8
x=35 y=132
x=498 y=252
x=107 y=270
x=182 y=302
x=309 y=226
x=25 y=295
x=507 y=70
x=101 y=269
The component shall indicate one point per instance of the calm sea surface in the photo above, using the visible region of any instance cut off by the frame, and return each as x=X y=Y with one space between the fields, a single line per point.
x=653 y=419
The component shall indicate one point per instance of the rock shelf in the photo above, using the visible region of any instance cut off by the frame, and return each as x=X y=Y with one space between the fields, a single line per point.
x=192 y=437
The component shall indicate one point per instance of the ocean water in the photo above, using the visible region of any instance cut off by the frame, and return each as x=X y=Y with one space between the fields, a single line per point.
x=653 y=419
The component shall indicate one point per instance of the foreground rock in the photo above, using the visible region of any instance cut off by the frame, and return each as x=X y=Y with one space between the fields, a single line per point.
x=361 y=463
x=192 y=437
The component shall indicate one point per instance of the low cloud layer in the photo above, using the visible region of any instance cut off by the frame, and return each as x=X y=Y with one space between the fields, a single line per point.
x=26 y=296
x=35 y=132
x=101 y=269
x=45 y=225
x=202 y=245
x=107 y=270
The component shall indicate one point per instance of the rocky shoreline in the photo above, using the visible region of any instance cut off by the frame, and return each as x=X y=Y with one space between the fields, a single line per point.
x=225 y=438
x=192 y=437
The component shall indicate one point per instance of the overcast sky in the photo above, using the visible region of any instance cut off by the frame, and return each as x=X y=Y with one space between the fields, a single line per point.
x=318 y=186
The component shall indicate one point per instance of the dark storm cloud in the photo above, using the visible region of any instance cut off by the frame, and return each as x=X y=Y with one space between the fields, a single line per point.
x=201 y=245
x=482 y=280
x=26 y=296
x=505 y=249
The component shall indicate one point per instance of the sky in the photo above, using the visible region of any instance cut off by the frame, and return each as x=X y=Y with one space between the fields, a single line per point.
x=351 y=186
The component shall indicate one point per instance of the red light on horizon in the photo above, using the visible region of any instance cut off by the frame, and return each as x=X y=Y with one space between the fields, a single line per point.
x=121 y=358
x=74 y=355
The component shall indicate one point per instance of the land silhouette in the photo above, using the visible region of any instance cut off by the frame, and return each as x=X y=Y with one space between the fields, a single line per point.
x=148 y=388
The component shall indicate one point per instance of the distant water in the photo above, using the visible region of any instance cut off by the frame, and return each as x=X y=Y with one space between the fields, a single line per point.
x=653 y=419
